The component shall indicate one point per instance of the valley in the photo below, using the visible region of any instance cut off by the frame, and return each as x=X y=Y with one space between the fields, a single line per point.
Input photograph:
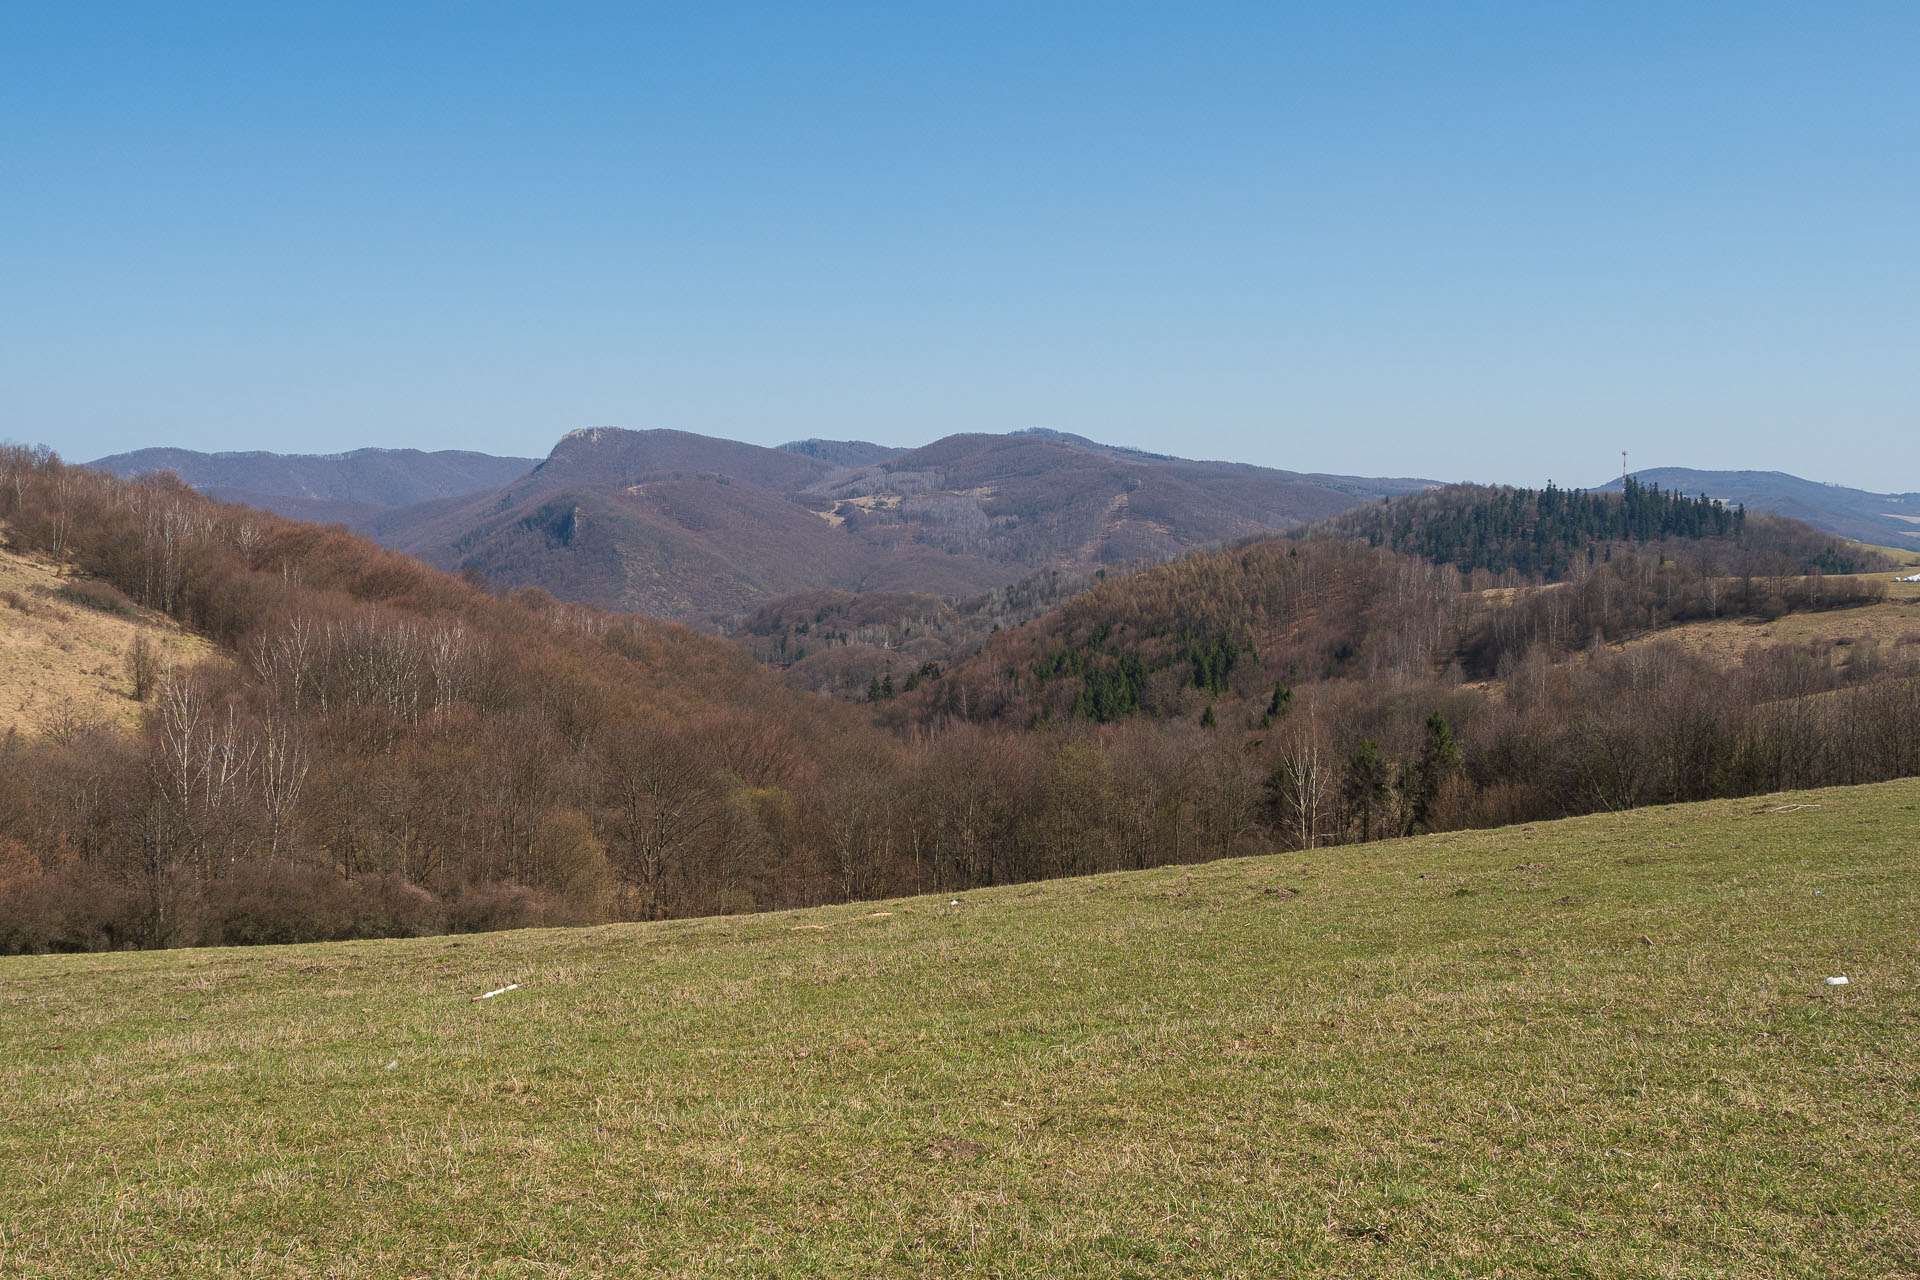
x=376 y=748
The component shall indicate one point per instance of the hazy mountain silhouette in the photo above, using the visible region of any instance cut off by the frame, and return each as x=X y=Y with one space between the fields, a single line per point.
x=842 y=453
x=345 y=487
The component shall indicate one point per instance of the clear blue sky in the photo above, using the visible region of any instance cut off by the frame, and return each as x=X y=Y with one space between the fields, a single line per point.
x=1486 y=241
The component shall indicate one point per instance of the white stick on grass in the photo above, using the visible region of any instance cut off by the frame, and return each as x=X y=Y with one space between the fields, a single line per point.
x=511 y=986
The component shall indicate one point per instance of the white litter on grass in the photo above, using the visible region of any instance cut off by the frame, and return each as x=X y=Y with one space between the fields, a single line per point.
x=1840 y=981
x=511 y=986
x=391 y=1065
x=954 y=903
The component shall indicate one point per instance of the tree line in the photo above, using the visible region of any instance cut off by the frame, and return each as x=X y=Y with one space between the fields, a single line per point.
x=1551 y=534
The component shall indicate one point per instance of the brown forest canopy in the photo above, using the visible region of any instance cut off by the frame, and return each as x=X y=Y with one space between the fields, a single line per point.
x=1705 y=559
x=385 y=724
x=389 y=749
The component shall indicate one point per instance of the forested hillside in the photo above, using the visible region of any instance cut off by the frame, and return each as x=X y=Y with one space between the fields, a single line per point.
x=1381 y=694
x=1878 y=519
x=1708 y=559
x=856 y=644
x=1547 y=534
x=387 y=749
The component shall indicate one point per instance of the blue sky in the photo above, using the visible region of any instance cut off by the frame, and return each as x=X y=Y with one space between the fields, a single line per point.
x=1470 y=241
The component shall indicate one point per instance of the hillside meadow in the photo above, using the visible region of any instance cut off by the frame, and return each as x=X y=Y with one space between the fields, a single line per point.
x=64 y=648
x=1603 y=1046
x=1888 y=624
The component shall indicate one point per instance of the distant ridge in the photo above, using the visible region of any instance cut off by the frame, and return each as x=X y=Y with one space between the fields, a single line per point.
x=843 y=453
x=1081 y=442
x=346 y=487
x=1879 y=519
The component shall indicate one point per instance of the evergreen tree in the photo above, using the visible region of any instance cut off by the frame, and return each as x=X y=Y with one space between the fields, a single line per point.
x=1439 y=758
x=1368 y=784
x=1281 y=700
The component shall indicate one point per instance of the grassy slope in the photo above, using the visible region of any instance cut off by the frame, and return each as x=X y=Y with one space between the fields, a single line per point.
x=1909 y=556
x=59 y=658
x=1597 y=1047
x=1888 y=623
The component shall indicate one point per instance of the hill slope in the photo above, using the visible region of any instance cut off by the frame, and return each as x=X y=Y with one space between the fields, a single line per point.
x=65 y=644
x=1601 y=1047
x=1878 y=519
x=383 y=749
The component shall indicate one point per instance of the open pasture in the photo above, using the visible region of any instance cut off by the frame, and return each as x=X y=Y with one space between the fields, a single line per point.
x=1597 y=1047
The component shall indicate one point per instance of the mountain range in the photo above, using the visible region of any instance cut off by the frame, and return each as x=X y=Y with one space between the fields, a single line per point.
x=686 y=526
x=332 y=488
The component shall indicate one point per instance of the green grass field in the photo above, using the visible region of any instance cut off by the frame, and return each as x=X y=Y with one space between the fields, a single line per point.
x=1601 y=1047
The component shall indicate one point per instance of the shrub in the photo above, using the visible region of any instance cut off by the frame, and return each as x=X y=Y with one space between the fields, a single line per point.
x=91 y=593
x=72 y=911
x=500 y=904
x=279 y=903
x=143 y=666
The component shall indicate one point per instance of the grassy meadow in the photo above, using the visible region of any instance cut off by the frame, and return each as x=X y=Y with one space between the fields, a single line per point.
x=1891 y=622
x=1909 y=556
x=64 y=660
x=1600 y=1047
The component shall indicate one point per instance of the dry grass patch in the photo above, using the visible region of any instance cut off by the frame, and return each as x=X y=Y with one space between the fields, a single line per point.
x=1894 y=622
x=63 y=647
